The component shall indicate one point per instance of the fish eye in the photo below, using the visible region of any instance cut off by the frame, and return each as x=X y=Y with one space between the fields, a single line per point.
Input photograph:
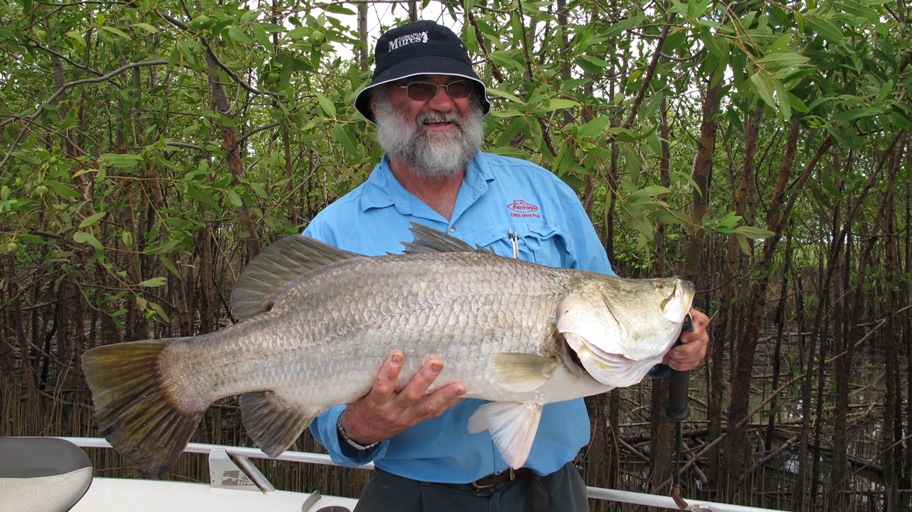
x=659 y=285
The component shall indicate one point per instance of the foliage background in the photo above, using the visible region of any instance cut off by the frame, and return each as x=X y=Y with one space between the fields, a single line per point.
x=150 y=148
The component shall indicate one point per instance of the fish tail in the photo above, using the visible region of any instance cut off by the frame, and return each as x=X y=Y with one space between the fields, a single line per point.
x=133 y=407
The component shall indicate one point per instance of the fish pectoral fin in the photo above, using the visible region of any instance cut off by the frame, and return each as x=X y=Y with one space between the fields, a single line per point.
x=273 y=422
x=521 y=372
x=512 y=425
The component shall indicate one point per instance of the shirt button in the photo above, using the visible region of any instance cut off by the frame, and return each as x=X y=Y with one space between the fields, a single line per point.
x=452 y=229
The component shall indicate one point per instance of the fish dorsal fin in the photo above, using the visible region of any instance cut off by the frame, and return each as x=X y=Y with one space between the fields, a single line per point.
x=280 y=263
x=430 y=240
x=273 y=422
x=520 y=372
x=513 y=426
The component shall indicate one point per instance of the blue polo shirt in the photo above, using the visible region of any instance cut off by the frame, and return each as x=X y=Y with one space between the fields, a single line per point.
x=499 y=195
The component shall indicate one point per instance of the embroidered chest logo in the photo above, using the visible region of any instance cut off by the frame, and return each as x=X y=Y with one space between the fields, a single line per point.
x=520 y=208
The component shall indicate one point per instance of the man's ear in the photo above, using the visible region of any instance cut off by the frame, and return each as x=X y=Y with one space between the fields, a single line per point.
x=372 y=99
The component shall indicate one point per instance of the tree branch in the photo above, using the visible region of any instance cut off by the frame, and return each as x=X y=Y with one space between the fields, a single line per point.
x=63 y=88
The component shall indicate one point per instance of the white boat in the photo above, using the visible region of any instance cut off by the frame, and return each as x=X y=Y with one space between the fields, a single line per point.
x=47 y=474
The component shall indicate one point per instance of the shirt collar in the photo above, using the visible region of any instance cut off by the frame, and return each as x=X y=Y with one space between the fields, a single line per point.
x=382 y=189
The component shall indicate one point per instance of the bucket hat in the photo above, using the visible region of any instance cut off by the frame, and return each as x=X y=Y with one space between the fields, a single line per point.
x=418 y=48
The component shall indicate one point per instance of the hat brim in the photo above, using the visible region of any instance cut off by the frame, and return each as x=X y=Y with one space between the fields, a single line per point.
x=430 y=65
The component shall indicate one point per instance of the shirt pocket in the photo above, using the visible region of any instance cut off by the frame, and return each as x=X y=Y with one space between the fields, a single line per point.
x=539 y=243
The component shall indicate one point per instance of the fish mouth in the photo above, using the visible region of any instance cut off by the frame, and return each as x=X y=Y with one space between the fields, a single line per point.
x=676 y=305
x=596 y=361
x=571 y=360
x=615 y=370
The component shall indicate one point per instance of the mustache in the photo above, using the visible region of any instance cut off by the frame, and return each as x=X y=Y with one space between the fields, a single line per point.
x=435 y=116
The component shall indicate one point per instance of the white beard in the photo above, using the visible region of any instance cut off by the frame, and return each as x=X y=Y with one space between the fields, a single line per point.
x=427 y=154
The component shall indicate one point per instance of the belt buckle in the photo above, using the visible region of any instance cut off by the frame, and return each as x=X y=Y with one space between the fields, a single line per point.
x=481 y=487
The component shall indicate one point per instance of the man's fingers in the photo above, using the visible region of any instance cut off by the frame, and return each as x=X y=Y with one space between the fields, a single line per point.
x=388 y=377
x=693 y=347
x=434 y=404
x=386 y=410
x=699 y=324
x=418 y=386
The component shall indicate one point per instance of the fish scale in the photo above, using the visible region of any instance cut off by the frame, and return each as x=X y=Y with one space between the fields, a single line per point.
x=316 y=323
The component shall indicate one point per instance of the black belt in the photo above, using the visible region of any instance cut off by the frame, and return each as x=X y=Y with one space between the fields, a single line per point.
x=486 y=482
x=539 y=498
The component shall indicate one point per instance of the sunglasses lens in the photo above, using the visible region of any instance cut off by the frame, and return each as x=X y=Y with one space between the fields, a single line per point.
x=459 y=89
x=421 y=91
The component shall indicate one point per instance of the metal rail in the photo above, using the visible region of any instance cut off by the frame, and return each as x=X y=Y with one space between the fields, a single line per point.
x=598 y=493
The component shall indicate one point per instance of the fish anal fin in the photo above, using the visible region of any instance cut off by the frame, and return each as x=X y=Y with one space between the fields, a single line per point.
x=521 y=372
x=275 y=267
x=273 y=422
x=134 y=408
x=512 y=425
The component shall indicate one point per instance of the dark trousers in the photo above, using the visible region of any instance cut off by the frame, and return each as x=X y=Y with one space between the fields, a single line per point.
x=386 y=492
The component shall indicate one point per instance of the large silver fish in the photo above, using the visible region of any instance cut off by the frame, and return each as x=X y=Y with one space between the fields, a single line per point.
x=317 y=322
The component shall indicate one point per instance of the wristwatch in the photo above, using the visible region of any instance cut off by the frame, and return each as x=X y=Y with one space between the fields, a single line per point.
x=351 y=442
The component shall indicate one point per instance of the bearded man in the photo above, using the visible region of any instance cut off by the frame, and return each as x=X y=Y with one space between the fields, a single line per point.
x=429 y=106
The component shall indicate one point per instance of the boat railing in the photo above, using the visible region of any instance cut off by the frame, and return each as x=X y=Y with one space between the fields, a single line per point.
x=230 y=467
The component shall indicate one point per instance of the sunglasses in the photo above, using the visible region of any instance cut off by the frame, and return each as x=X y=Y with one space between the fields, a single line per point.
x=424 y=91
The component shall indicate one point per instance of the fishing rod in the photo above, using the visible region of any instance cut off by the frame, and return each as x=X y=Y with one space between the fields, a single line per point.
x=677 y=411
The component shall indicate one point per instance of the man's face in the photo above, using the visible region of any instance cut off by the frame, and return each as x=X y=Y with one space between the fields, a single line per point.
x=436 y=137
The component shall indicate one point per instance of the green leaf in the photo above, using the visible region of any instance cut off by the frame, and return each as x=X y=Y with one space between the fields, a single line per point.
x=646 y=194
x=169 y=265
x=91 y=220
x=826 y=30
x=506 y=60
x=82 y=237
x=560 y=103
x=505 y=95
x=328 y=106
x=753 y=233
x=638 y=220
x=775 y=61
x=120 y=160
x=595 y=62
x=345 y=139
x=259 y=190
x=198 y=195
x=154 y=282
x=259 y=33
x=76 y=38
x=595 y=127
x=857 y=113
x=147 y=27
x=797 y=104
x=846 y=139
x=234 y=198
x=763 y=85
x=116 y=31
x=858 y=10
x=337 y=9
x=236 y=35
x=63 y=190
x=623 y=25
x=159 y=311
x=627 y=135
x=784 y=103
x=743 y=244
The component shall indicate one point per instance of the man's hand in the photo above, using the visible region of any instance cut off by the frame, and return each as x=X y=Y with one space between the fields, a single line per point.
x=386 y=411
x=694 y=344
